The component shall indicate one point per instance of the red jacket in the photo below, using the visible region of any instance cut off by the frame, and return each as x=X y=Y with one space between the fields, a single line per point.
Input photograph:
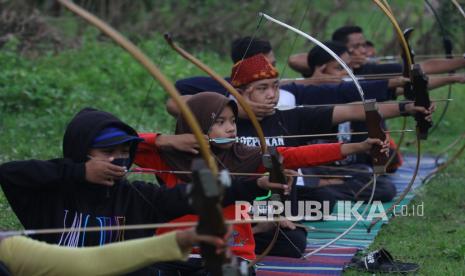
x=293 y=158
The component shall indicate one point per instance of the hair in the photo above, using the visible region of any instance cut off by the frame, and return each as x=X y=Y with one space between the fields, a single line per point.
x=245 y=47
x=369 y=43
x=318 y=56
x=342 y=33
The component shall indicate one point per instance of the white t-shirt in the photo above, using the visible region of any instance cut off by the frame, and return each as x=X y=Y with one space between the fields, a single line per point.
x=286 y=98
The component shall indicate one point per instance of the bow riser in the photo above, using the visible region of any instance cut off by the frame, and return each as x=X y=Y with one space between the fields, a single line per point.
x=373 y=121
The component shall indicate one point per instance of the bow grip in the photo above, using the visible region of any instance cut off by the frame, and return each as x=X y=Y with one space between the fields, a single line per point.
x=409 y=91
x=373 y=121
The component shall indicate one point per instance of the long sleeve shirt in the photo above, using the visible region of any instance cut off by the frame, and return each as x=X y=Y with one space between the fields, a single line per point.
x=25 y=256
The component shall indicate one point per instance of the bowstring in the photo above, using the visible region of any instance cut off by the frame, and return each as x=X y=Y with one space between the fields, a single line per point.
x=147 y=93
x=254 y=34
x=296 y=36
x=138 y=125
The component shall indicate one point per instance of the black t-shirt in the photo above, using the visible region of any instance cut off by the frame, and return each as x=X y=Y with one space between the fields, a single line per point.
x=300 y=121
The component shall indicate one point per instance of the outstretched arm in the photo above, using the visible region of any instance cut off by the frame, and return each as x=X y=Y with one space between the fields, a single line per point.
x=357 y=112
x=436 y=82
x=442 y=65
x=25 y=256
x=318 y=154
x=310 y=155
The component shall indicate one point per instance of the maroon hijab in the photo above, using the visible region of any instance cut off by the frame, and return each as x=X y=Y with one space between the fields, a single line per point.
x=207 y=106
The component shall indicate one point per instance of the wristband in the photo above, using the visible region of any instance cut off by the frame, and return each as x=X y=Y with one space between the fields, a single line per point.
x=402 y=110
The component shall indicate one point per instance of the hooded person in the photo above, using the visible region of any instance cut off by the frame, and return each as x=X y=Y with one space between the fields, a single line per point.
x=83 y=190
x=216 y=115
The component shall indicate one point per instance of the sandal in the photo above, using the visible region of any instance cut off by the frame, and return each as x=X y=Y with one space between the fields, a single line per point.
x=381 y=261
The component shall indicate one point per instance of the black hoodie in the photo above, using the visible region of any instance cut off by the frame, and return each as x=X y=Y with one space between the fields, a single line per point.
x=55 y=194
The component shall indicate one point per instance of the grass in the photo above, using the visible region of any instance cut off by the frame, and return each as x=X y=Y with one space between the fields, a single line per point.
x=436 y=240
x=38 y=97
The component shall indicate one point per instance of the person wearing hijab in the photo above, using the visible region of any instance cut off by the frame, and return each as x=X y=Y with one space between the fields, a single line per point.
x=86 y=187
x=216 y=115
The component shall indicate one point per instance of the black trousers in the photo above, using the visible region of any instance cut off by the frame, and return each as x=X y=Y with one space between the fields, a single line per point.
x=192 y=267
x=290 y=243
x=357 y=188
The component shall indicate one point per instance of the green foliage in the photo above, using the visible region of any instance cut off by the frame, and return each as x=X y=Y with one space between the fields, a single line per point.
x=38 y=97
x=212 y=25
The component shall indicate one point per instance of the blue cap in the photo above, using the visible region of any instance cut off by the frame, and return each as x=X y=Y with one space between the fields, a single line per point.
x=112 y=136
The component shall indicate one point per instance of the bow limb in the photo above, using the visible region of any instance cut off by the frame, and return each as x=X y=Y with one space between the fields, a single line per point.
x=406 y=190
x=450 y=160
x=387 y=10
x=154 y=71
x=271 y=158
x=407 y=59
x=317 y=42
